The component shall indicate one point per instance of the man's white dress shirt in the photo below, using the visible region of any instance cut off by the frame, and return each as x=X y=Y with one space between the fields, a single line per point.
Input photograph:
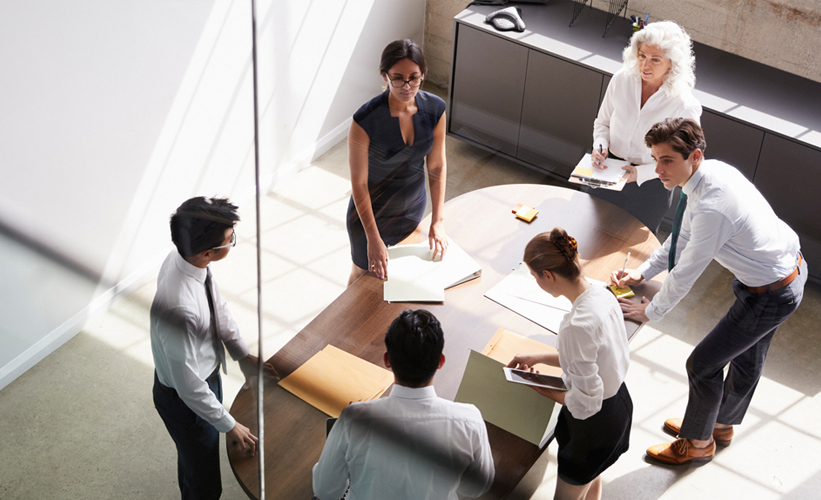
x=593 y=351
x=728 y=220
x=410 y=445
x=622 y=122
x=182 y=341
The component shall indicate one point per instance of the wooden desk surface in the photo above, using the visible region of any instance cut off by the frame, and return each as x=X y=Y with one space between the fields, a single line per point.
x=481 y=223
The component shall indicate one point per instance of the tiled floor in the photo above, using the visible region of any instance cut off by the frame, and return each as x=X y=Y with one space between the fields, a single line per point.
x=81 y=424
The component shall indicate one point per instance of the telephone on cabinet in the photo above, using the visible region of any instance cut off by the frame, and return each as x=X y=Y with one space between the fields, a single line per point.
x=507 y=19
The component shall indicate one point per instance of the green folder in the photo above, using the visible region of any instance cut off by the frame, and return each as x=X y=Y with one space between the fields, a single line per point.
x=515 y=408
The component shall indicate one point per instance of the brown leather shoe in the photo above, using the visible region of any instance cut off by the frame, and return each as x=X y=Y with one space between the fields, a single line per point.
x=681 y=452
x=723 y=437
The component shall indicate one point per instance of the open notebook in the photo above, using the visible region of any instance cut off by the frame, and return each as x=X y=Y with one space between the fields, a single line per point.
x=414 y=276
x=332 y=378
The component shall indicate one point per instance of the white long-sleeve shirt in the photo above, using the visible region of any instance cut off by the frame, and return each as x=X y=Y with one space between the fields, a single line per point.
x=410 y=445
x=181 y=338
x=728 y=220
x=622 y=122
x=593 y=351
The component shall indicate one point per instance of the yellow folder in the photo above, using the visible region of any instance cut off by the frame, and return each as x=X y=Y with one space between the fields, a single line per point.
x=332 y=379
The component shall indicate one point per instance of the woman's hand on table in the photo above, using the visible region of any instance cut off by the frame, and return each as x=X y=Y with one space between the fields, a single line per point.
x=438 y=239
x=378 y=258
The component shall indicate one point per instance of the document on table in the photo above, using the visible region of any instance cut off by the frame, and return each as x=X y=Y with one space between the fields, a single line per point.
x=611 y=177
x=520 y=293
x=414 y=276
x=515 y=408
x=332 y=378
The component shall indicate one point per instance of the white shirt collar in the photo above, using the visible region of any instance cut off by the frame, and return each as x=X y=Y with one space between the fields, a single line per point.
x=692 y=183
x=400 y=391
x=186 y=267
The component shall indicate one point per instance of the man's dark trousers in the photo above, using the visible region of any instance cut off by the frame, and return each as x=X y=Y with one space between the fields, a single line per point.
x=741 y=339
x=198 y=461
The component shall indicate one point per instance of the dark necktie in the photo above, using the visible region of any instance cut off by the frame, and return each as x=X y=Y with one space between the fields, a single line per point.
x=682 y=204
x=219 y=349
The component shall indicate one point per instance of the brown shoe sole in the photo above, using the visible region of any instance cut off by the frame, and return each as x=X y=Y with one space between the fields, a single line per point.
x=719 y=441
x=694 y=461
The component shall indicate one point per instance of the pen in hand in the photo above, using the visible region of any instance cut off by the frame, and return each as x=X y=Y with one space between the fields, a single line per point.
x=600 y=154
x=623 y=267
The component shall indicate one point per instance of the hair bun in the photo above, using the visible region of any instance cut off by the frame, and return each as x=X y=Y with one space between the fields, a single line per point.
x=564 y=242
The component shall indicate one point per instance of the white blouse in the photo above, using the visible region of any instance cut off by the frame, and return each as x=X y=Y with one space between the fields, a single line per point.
x=593 y=351
x=622 y=122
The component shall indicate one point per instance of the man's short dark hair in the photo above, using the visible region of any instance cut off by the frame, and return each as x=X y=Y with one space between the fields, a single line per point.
x=200 y=224
x=415 y=341
x=683 y=135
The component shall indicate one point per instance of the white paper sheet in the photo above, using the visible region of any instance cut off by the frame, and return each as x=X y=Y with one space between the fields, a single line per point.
x=520 y=293
x=413 y=276
x=613 y=173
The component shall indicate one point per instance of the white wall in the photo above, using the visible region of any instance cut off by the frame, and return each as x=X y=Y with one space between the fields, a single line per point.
x=113 y=113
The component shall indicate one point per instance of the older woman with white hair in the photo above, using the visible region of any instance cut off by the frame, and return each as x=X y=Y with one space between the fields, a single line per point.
x=656 y=82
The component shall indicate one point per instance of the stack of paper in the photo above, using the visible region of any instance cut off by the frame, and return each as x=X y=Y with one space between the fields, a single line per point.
x=333 y=378
x=520 y=293
x=515 y=408
x=414 y=276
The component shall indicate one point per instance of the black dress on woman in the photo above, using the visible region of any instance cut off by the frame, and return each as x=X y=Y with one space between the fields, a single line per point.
x=396 y=171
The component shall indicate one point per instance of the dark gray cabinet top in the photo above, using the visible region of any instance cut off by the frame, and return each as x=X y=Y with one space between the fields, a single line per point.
x=748 y=91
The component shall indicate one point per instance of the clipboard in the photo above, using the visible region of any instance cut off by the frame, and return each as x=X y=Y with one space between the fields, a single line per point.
x=613 y=178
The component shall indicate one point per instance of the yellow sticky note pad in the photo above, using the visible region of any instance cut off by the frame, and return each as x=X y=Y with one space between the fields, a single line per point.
x=583 y=172
x=526 y=213
x=624 y=293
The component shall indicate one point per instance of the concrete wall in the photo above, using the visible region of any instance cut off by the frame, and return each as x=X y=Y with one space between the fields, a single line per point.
x=113 y=113
x=785 y=34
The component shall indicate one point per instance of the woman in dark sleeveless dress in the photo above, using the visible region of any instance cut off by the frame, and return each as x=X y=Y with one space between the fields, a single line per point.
x=390 y=138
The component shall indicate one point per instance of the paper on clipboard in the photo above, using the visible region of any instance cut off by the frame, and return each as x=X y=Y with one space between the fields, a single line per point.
x=612 y=177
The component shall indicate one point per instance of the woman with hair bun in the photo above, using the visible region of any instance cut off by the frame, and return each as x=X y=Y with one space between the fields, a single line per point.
x=392 y=138
x=593 y=428
x=656 y=82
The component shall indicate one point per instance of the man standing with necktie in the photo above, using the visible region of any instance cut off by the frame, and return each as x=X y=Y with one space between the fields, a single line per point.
x=721 y=216
x=190 y=329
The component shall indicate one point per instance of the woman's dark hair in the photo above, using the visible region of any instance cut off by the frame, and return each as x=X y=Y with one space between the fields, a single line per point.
x=683 y=135
x=200 y=224
x=555 y=252
x=414 y=342
x=402 y=49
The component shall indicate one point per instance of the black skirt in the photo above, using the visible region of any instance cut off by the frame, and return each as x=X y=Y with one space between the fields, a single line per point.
x=588 y=447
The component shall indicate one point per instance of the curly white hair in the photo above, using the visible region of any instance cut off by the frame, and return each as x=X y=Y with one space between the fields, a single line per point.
x=677 y=46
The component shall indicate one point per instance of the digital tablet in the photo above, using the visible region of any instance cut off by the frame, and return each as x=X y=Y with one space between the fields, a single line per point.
x=534 y=379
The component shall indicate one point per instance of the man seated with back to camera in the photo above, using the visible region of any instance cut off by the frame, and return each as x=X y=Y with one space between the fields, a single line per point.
x=412 y=444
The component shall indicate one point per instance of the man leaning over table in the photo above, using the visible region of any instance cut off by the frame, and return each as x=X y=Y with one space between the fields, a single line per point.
x=190 y=324
x=728 y=220
x=412 y=444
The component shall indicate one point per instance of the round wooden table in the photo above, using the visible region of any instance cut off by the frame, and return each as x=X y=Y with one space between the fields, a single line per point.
x=482 y=223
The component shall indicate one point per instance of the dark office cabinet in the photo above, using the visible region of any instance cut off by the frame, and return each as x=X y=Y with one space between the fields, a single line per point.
x=604 y=83
x=488 y=83
x=731 y=141
x=557 y=113
x=789 y=176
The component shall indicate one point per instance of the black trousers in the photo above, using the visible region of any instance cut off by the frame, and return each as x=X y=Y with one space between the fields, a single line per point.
x=198 y=460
